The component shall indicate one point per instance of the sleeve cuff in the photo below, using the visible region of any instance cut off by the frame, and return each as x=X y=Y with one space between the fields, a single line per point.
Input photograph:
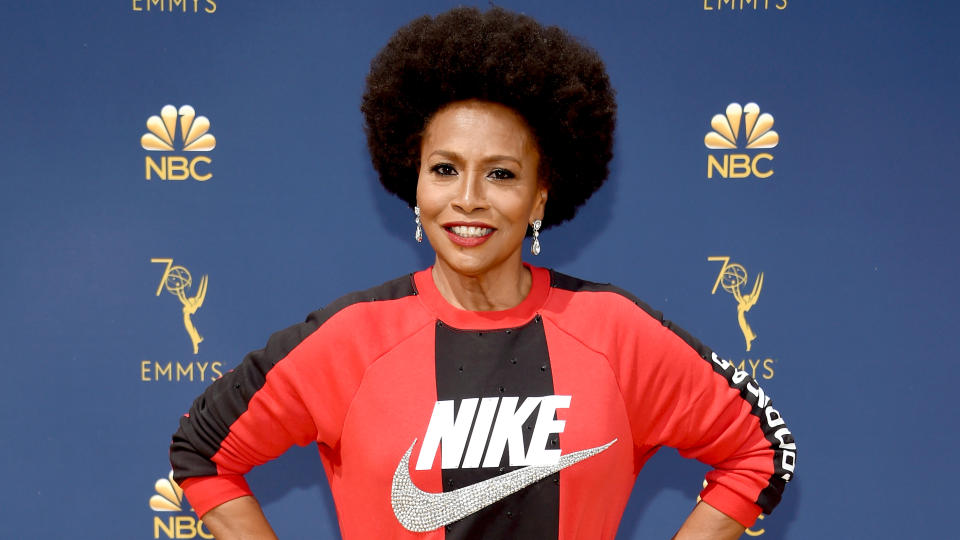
x=734 y=505
x=207 y=492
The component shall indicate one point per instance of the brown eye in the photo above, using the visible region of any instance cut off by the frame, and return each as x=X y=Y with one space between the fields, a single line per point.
x=501 y=174
x=444 y=169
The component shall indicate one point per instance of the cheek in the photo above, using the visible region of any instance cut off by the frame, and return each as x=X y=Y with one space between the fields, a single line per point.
x=517 y=210
x=429 y=200
x=423 y=194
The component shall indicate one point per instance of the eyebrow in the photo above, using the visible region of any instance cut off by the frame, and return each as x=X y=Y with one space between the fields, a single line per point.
x=457 y=157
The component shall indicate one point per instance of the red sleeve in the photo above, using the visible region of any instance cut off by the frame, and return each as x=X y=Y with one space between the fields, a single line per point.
x=296 y=390
x=688 y=398
x=679 y=393
x=249 y=416
x=207 y=492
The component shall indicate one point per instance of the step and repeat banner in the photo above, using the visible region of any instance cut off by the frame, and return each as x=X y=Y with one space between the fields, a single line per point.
x=182 y=178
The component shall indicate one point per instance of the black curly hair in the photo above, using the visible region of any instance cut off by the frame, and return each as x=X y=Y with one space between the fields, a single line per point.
x=559 y=85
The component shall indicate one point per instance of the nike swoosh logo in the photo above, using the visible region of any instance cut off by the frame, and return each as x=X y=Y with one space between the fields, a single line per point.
x=422 y=511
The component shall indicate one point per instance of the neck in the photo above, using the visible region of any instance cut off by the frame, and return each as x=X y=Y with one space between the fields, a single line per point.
x=498 y=289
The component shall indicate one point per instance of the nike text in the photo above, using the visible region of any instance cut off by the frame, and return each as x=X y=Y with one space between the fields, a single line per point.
x=503 y=426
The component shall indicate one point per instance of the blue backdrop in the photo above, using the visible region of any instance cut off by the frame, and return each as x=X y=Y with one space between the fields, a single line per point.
x=851 y=233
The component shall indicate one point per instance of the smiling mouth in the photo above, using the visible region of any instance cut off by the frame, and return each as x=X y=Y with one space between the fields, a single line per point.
x=468 y=235
x=470 y=232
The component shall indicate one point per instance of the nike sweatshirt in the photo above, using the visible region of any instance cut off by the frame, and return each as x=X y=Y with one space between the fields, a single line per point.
x=533 y=422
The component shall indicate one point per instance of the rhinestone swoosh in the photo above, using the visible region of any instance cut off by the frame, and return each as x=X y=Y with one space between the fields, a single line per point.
x=422 y=511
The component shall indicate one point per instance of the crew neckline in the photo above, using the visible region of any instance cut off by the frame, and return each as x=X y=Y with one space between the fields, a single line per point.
x=484 y=320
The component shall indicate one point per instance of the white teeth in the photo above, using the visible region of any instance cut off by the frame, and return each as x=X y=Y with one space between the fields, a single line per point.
x=470 y=232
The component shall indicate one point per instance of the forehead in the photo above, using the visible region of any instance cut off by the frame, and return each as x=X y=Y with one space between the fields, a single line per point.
x=479 y=127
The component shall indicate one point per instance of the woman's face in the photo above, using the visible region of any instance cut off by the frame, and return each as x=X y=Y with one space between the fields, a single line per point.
x=478 y=188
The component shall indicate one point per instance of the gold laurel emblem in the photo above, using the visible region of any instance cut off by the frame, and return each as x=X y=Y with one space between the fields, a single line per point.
x=163 y=130
x=756 y=126
x=732 y=276
x=177 y=280
x=169 y=496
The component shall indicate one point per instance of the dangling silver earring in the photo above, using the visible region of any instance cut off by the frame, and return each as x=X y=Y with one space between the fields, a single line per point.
x=419 y=234
x=535 y=247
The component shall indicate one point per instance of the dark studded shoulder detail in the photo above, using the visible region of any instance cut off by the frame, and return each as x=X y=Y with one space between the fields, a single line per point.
x=395 y=289
x=570 y=283
x=284 y=341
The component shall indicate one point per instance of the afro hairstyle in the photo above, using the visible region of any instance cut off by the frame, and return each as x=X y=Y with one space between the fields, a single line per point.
x=557 y=84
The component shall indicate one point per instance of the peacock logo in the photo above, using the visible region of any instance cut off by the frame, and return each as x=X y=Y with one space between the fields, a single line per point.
x=162 y=136
x=163 y=129
x=168 y=496
x=757 y=128
x=178 y=521
x=758 y=134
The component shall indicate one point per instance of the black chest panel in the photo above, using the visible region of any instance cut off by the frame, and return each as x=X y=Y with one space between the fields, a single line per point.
x=509 y=362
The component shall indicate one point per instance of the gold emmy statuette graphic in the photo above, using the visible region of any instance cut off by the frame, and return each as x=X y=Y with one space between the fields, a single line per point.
x=731 y=277
x=177 y=279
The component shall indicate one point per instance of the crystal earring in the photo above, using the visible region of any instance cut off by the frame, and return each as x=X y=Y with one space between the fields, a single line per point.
x=419 y=234
x=535 y=247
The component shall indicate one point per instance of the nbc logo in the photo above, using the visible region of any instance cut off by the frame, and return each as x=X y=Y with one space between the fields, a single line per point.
x=169 y=498
x=162 y=135
x=757 y=134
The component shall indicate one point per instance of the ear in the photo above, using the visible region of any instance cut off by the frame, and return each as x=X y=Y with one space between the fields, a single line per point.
x=539 y=205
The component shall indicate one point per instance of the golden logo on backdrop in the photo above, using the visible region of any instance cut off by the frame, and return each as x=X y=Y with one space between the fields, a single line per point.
x=750 y=532
x=743 y=5
x=168 y=498
x=732 y=277
x=194 y=136
x=175 y=6
x=757 y=134
x=177 y=281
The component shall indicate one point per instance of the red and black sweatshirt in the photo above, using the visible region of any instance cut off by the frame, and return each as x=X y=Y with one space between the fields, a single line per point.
x=533 y=422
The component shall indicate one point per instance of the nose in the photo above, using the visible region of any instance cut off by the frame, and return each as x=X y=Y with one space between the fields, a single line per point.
x=471 y=193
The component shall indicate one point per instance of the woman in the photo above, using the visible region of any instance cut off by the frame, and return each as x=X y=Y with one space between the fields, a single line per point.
x=482 y=397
